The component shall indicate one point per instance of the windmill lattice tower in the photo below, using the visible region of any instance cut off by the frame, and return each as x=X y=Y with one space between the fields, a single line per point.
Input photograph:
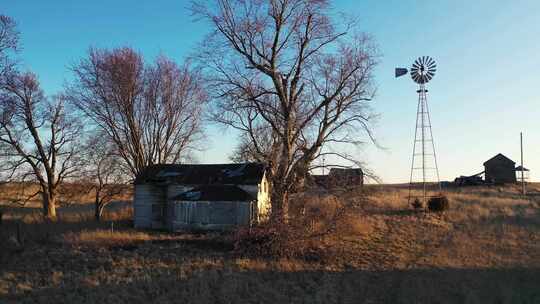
x=424 y=180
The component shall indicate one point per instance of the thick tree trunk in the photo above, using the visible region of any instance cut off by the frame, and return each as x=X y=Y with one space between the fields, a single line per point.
x=49 y=205
x=99 y=207
x=280 y=205
x=97 y=212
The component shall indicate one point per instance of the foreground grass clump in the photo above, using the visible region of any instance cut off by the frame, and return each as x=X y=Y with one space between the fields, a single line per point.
x=103 y=238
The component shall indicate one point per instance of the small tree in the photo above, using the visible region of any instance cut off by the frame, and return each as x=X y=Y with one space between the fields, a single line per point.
x=39 y=140
x=287 y=67
x=104 y=173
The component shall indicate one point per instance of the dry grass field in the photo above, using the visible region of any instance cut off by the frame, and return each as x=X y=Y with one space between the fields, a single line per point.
x=485 y=249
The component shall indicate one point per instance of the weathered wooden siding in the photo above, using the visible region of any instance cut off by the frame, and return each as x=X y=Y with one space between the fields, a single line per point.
x=500 y=173
x=149 y=206
x=204 y=215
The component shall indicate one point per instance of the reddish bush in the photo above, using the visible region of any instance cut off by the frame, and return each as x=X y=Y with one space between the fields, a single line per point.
x=262 y=241
x=315 y=220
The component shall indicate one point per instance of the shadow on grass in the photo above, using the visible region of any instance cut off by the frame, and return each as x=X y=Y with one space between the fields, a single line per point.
x=530 y=222
x=395 y=212
x=234 y=286
x=209 y=243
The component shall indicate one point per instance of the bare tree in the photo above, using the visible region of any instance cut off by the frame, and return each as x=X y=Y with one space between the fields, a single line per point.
x=150 y=113
x=104 y=172
x=38 y=137
x=9 y=42
x=285 y=66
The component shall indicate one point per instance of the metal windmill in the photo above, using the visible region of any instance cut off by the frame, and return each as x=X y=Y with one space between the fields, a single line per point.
x=424 y=159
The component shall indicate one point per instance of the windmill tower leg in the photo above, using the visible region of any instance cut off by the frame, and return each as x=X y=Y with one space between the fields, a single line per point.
x=422 y=149
x=433 y=145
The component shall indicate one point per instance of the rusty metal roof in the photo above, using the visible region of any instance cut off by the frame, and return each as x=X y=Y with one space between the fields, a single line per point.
x=203 y=174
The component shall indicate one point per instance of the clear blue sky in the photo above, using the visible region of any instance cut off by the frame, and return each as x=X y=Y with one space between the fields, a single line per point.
x=485 y=92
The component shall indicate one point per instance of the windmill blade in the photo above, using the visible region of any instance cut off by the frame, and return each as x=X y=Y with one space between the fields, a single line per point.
x=423 y=69
x=400 y=72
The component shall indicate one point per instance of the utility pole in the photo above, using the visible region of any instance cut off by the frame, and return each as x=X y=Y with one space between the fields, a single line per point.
x=522 y=168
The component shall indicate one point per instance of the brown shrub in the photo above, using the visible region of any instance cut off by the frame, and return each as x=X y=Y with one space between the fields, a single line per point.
x=438 y=204
x=262 y=241
x=314 y=219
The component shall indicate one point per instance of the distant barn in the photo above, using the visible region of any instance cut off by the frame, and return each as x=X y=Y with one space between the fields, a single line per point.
x=340 y=178
x=500 y=170
x=201 y=197
x=346 y=176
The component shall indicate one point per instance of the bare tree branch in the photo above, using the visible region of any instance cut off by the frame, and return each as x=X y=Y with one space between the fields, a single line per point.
x=150 y=113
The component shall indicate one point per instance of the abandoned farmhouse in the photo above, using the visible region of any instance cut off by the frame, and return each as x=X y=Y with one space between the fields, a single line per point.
x=202 y=197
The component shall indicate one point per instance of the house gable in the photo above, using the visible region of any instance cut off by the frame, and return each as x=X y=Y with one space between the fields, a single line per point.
x=499 y=159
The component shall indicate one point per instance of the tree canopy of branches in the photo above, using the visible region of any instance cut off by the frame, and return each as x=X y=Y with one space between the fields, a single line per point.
x=38 y=138
x=9 y=42
x=151 y=113
x=287 y=69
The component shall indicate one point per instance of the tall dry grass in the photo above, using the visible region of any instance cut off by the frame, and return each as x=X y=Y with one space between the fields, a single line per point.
x=484 y=249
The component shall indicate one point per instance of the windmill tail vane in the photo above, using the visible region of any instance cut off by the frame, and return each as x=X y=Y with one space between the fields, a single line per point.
x=401 y=71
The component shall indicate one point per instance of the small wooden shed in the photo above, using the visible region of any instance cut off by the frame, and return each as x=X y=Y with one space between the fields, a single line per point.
x=522 y=172
x=500 y=170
